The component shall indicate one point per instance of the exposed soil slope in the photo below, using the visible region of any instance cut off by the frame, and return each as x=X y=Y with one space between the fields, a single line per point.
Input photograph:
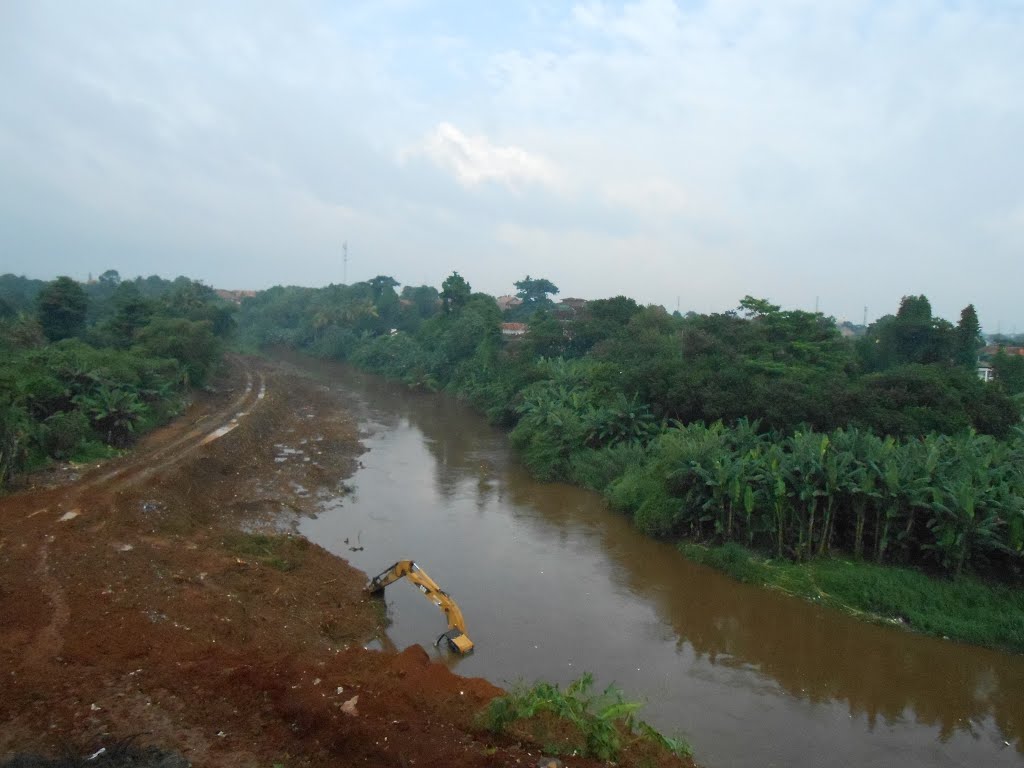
x=136 y=600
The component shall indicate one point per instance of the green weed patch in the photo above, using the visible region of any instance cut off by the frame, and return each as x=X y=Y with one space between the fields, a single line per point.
x=577 y=721
x=961 y=608
x=283 y=553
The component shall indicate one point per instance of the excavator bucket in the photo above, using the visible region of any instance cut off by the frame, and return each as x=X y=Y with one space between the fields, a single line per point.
x=457 y=641
x=456 y=635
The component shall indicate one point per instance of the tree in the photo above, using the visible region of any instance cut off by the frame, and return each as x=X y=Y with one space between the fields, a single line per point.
x=195 y=301
x=22 y=332
x=386 y=301
x=546 y=337
x=99 y=292
x=455 y=292
x=382 y=284
x=913 y=335
x=968 y=337
x=1009 y=370
x=61 y=308
x=191 y=343
x=110 y=278
x=754 y=309
x=922 y=338
x=15 y=428
x=599 y=320
x=534 y=292
x=424 y=298
x=131 y=314
x=19 y=292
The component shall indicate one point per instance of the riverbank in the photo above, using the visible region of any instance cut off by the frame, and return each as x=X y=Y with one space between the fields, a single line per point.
x=680 y=482
x=163 y=599
x=964 y=609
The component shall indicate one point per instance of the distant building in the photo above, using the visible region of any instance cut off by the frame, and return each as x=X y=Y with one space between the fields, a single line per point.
x=513 y=330
x=235 y=297
x=985 y=372
x=992 y=350
x=576 y=304
x=506 y=303
x=850 y=330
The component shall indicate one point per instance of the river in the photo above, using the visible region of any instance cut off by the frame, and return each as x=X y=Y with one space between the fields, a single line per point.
x=552 y=585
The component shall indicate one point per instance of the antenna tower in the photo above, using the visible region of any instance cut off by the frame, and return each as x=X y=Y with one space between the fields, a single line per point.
x=344 y=263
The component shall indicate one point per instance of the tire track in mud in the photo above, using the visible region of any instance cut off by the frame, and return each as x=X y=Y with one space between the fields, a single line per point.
x=227 y=420
x=50 y=640
x=208 y=428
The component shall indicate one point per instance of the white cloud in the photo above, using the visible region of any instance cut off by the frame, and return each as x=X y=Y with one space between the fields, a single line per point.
x=475 y=159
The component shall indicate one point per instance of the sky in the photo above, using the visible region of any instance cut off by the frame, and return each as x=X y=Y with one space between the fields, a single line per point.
x=837 y=155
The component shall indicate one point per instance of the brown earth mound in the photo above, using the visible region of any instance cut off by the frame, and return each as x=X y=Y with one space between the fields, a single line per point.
x=143 y=603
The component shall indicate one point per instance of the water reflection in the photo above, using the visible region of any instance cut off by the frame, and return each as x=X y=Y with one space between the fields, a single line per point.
x=741 y=649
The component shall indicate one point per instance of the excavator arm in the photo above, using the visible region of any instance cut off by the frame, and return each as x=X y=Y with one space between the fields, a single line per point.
x=456 y=635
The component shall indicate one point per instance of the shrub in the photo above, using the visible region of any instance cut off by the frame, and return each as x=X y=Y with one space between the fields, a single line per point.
x=597 y=469
x=15 y=428
x=63 y=432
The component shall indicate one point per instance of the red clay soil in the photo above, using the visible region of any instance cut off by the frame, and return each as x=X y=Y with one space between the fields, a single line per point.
x=136 y=601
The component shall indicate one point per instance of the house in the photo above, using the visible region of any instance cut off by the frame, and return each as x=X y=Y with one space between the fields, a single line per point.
x=235 y=297
x=575 y=304
x=505 y=303
x=850 y=330
x=992 y=350
x=985 y=372
x=513 y=330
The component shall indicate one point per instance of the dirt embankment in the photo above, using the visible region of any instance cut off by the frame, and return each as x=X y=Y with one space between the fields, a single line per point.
x=141 y=600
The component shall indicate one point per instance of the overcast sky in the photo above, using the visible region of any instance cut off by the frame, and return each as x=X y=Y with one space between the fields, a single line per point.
x=844 y=152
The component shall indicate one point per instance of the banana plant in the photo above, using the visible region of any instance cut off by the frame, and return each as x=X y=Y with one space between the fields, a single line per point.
x=921 y=462
x=749 y=505
x=836 y=468
x=113 y=411
x=889 y=470
x=715 y=479
x=625 y=420
x=966 y=515
x=778 y=494
x=861 y=482
x=803 y=479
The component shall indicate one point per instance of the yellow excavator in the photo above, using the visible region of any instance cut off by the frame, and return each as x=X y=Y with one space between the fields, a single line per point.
x=456 y=636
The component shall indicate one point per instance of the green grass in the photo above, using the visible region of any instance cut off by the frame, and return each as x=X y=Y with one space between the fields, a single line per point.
x=964 y=608
x=93 y=450
x=283 y=553
x=577 y=721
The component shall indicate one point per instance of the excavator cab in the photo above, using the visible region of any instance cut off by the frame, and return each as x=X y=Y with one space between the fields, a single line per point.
x=455 y=637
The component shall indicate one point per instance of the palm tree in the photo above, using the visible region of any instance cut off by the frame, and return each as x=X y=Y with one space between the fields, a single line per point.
x=113 y=411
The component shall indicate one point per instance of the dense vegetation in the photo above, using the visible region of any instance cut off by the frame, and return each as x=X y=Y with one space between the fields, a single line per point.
x=577 y=721
x=86 y=368
x=759 y=426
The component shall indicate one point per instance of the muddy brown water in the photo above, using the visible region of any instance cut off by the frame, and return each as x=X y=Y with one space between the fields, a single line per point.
x=553 y=584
